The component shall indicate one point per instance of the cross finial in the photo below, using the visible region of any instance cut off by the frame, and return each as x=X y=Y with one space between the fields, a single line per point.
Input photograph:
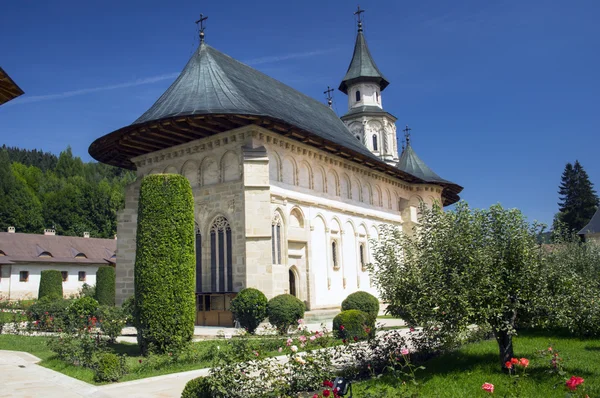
x=407 y=135
x=329 y=97
x=359 y=17
x=201 y=26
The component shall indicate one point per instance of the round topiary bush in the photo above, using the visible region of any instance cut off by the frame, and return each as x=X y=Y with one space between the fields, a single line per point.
x=249 y=307
x=110 y=367
x=197 y=388
x=105 y=285
x=353 y=325
x=284 y=311
x=51 y=285
x=165 y=272
x=362 y=301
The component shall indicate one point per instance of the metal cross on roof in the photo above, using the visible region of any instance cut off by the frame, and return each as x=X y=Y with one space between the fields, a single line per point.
x=359 y=17
x=329 y=97
x=407 y=134
x=201 y=26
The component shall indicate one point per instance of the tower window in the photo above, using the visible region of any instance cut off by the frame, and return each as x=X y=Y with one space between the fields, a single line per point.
x=357 y=95
x=334 y=255
x=361 y=250
x=221 y=267
x=377 y=96
x=358 y=137
x=276 y=239
x=374 y=142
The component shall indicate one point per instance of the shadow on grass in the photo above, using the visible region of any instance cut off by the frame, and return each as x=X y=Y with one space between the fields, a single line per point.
x=592 y=348
x=130 y=350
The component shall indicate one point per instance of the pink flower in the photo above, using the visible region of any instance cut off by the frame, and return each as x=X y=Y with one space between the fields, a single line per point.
x=302 y=339
x=573 y=382
x=315 y=396
x=313 y=338
x=289 y=342
x=524 y=362
x=489 y=387
x=342 y=327
x=404 y=351
x=280 y=349
x=411 y=330
x=255 y=353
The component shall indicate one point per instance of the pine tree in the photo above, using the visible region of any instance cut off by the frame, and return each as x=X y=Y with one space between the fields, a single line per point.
x=578 y=199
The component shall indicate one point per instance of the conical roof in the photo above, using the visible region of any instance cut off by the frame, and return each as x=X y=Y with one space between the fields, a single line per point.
x=593 y=227
x=362 y=67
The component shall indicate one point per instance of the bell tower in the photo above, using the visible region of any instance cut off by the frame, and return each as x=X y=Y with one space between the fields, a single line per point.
x=366 y=118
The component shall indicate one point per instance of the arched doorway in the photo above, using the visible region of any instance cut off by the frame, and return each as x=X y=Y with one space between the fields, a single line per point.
x=292 y=283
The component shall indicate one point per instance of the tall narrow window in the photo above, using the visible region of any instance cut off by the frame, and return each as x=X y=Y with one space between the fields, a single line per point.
x=377 y=96
x=221 y=278
x=374 y=142
x=198 y=260
x=276 y=239
x=334 y=255
x=361 y=253
x=65 y=275
x=357 y=95
x=358 y=137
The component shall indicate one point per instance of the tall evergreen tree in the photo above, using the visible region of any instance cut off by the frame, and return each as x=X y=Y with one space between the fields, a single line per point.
x=578 y=199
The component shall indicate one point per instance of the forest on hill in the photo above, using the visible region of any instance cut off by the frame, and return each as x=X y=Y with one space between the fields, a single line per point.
x=41 y=190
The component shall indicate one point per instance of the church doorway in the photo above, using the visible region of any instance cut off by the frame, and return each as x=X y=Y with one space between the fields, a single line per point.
x=292 y=277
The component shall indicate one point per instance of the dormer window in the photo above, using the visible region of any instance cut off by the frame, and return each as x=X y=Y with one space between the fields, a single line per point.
x=4 y=254
x=374 y=142
x=357 y=137
x=45 y=254
x=357 y=95
x=80 y=255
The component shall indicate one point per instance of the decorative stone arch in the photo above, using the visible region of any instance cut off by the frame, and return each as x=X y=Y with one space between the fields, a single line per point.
x=274 y=166
x=209 y=171
x=376 y=195
x=170 y=170
x=356 y=190
x=278 y=237
x=333 y=183
x=289 y=170
x=295 y=282
x=319 y=179
x=190 y=170
x=363 y=246
x=221 y=254
x=296 y=217
x=229 y=166
x=387 y=199
x=154 y=171
x=335 y=243
x=323 y=219
x=345 y=186
x=305 y=175
x=366 y=189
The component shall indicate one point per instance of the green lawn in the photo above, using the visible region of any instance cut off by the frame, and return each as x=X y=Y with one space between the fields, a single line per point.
x=461 y=373
x=12 y=317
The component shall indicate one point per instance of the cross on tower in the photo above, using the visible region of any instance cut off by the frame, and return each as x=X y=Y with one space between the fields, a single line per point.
x=201 y=26
x=407 y=134
x=329 y=97
x=359 y=17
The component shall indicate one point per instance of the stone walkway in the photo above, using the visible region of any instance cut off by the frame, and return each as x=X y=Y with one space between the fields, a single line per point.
x=20 y=376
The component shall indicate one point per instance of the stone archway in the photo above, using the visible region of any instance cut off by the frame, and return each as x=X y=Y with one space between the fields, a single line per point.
x=293 y=282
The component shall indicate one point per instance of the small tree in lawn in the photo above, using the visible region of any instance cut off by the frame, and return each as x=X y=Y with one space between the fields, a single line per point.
x=461 y=268
x=164 y=263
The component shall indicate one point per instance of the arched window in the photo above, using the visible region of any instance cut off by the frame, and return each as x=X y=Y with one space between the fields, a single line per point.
x=361 y=253
x=198 y=259
x=374 y=142
x=357 y=95
x=221 y=279
x=358 y=137
x=334 y=255
x=276 y=239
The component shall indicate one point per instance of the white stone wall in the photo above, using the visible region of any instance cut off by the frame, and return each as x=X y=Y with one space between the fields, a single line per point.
x=370 y=95
x=593 y=238
x=12 y=288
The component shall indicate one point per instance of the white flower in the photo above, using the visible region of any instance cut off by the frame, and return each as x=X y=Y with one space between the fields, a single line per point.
x=300 y=360
x=294 y=348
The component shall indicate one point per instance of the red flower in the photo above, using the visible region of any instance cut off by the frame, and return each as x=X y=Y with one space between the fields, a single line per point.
x=514 y=361
x=508 y=365
x=140 y=361
x=524 y=362
x=315 y=396
x=355 y=338
x=489 y=387
x=573 y=382
x=367 y=330
x=327 y=383
x=344 y=341
x=326 y=393
x=342 y=327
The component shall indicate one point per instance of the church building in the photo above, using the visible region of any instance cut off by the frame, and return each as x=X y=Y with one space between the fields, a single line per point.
x=288 y=196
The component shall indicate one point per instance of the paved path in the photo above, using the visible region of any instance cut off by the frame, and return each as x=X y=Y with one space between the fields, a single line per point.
x=20 y=376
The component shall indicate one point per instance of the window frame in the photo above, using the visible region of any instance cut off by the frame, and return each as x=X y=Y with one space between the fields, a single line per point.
x=79 y=278
x=26 y=276
x=64 y=278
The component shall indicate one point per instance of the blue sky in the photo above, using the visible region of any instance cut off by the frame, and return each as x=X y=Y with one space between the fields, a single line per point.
x=500 y=95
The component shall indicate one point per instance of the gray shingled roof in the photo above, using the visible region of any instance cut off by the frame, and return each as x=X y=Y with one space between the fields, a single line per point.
x=410 y=163
x=20 y=247
x=362 y=67
x=593 y=227
x=215 y=83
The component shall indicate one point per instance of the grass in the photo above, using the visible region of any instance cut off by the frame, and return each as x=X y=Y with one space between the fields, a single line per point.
x=149 y=366
x=12 y=317
x=461 y=373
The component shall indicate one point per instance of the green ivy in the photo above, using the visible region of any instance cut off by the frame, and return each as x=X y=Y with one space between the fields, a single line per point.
x=164 y=265
x=50 y=284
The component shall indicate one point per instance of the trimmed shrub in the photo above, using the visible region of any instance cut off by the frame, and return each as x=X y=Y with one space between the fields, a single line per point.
x=362 y=301
x=81 y=312
x=105 y=285
x=249 y=307
x=165 y=264
x=51 y=284
x=112 y=321
x=353 y=325
x=284 y=311
x=110 y=367
x=197 y=388
x=49 y=313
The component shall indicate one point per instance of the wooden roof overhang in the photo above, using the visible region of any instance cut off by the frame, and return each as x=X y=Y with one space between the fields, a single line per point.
x=8 y=88
x=120 y=146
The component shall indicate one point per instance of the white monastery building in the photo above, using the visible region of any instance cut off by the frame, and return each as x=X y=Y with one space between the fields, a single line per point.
x=288 y=195
x=24 y=256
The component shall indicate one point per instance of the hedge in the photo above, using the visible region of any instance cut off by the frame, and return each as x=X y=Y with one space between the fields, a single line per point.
x=105 y=285
x=197 y=388
x=249 y=307
x=362 y=301
x=353 y=325
x=284 y=311
x=51 y=284
x=165 y=264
